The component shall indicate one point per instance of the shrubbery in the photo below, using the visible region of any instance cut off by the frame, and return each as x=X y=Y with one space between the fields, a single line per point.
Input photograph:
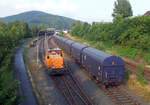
x=61 y=33
x=132 y=34
x=10 y=35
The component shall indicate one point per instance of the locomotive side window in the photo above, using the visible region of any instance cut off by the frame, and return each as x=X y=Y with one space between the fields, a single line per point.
x=47 y=57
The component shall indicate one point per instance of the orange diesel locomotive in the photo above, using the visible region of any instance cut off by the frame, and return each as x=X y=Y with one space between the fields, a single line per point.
x=55 y=60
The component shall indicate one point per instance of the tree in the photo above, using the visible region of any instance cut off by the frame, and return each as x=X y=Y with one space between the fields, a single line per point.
x=122 y=7
x=34 y=30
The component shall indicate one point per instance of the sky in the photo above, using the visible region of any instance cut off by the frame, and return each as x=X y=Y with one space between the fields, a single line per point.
x=84 y=10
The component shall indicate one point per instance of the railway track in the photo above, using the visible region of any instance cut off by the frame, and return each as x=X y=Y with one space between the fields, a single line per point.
x=74 y=95
x=71 y=90
x=118 y=96
x=41 y=51
x=67 y=84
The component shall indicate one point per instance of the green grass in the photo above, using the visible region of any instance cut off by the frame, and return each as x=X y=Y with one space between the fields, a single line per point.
x=127 y=52
x=141 y=78
x=124 y=51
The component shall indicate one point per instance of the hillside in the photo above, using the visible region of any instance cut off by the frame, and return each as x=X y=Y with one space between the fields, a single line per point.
x=38 y=17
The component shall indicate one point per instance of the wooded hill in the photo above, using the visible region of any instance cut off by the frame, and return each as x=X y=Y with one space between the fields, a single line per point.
x=38 y=17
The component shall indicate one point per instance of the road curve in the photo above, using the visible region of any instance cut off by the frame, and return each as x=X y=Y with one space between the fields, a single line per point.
x=25 y=91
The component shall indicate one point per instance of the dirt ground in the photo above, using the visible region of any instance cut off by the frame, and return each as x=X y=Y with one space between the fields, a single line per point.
x=50 y=95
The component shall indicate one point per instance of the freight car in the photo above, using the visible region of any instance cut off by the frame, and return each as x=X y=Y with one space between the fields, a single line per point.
x=41 y=33
x=106 y=68
x=48 y=32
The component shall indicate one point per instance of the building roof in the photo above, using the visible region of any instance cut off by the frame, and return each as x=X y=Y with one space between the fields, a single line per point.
x=147 y=13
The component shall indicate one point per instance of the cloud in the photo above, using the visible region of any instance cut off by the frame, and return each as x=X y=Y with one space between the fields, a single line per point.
x=81 y=10
x=60 y=7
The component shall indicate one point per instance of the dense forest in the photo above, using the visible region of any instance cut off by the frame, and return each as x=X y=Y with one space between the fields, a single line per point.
x=130 y=35
x=11 y=35
x=37 y=17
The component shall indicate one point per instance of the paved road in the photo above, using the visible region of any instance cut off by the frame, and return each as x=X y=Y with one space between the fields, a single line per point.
x=25 y=89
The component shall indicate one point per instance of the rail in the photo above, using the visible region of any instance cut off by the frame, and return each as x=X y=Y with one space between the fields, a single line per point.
x=67 y=84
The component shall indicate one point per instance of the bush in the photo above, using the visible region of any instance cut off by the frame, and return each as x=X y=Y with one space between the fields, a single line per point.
x=8 y=87
x=126 y=74
x=61 y=33
x=133 y=33
x=10 y=35
x=146 y=56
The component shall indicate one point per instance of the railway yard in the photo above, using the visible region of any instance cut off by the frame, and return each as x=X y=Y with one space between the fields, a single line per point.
x=76 y=87
x=63 y=52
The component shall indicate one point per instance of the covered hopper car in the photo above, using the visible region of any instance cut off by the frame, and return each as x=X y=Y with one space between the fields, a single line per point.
x=106 y=68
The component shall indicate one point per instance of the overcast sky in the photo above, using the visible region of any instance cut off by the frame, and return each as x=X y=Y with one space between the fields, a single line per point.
x=85 y=10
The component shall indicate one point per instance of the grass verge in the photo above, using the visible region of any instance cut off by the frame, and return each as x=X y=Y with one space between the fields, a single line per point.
x=139 y=89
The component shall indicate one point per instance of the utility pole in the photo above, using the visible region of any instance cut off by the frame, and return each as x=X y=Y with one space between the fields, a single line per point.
x=46 y=41
x=37 y=49
x=37 y=54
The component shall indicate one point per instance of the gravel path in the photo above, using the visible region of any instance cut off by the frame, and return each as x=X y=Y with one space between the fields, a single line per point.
x=25 y=89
